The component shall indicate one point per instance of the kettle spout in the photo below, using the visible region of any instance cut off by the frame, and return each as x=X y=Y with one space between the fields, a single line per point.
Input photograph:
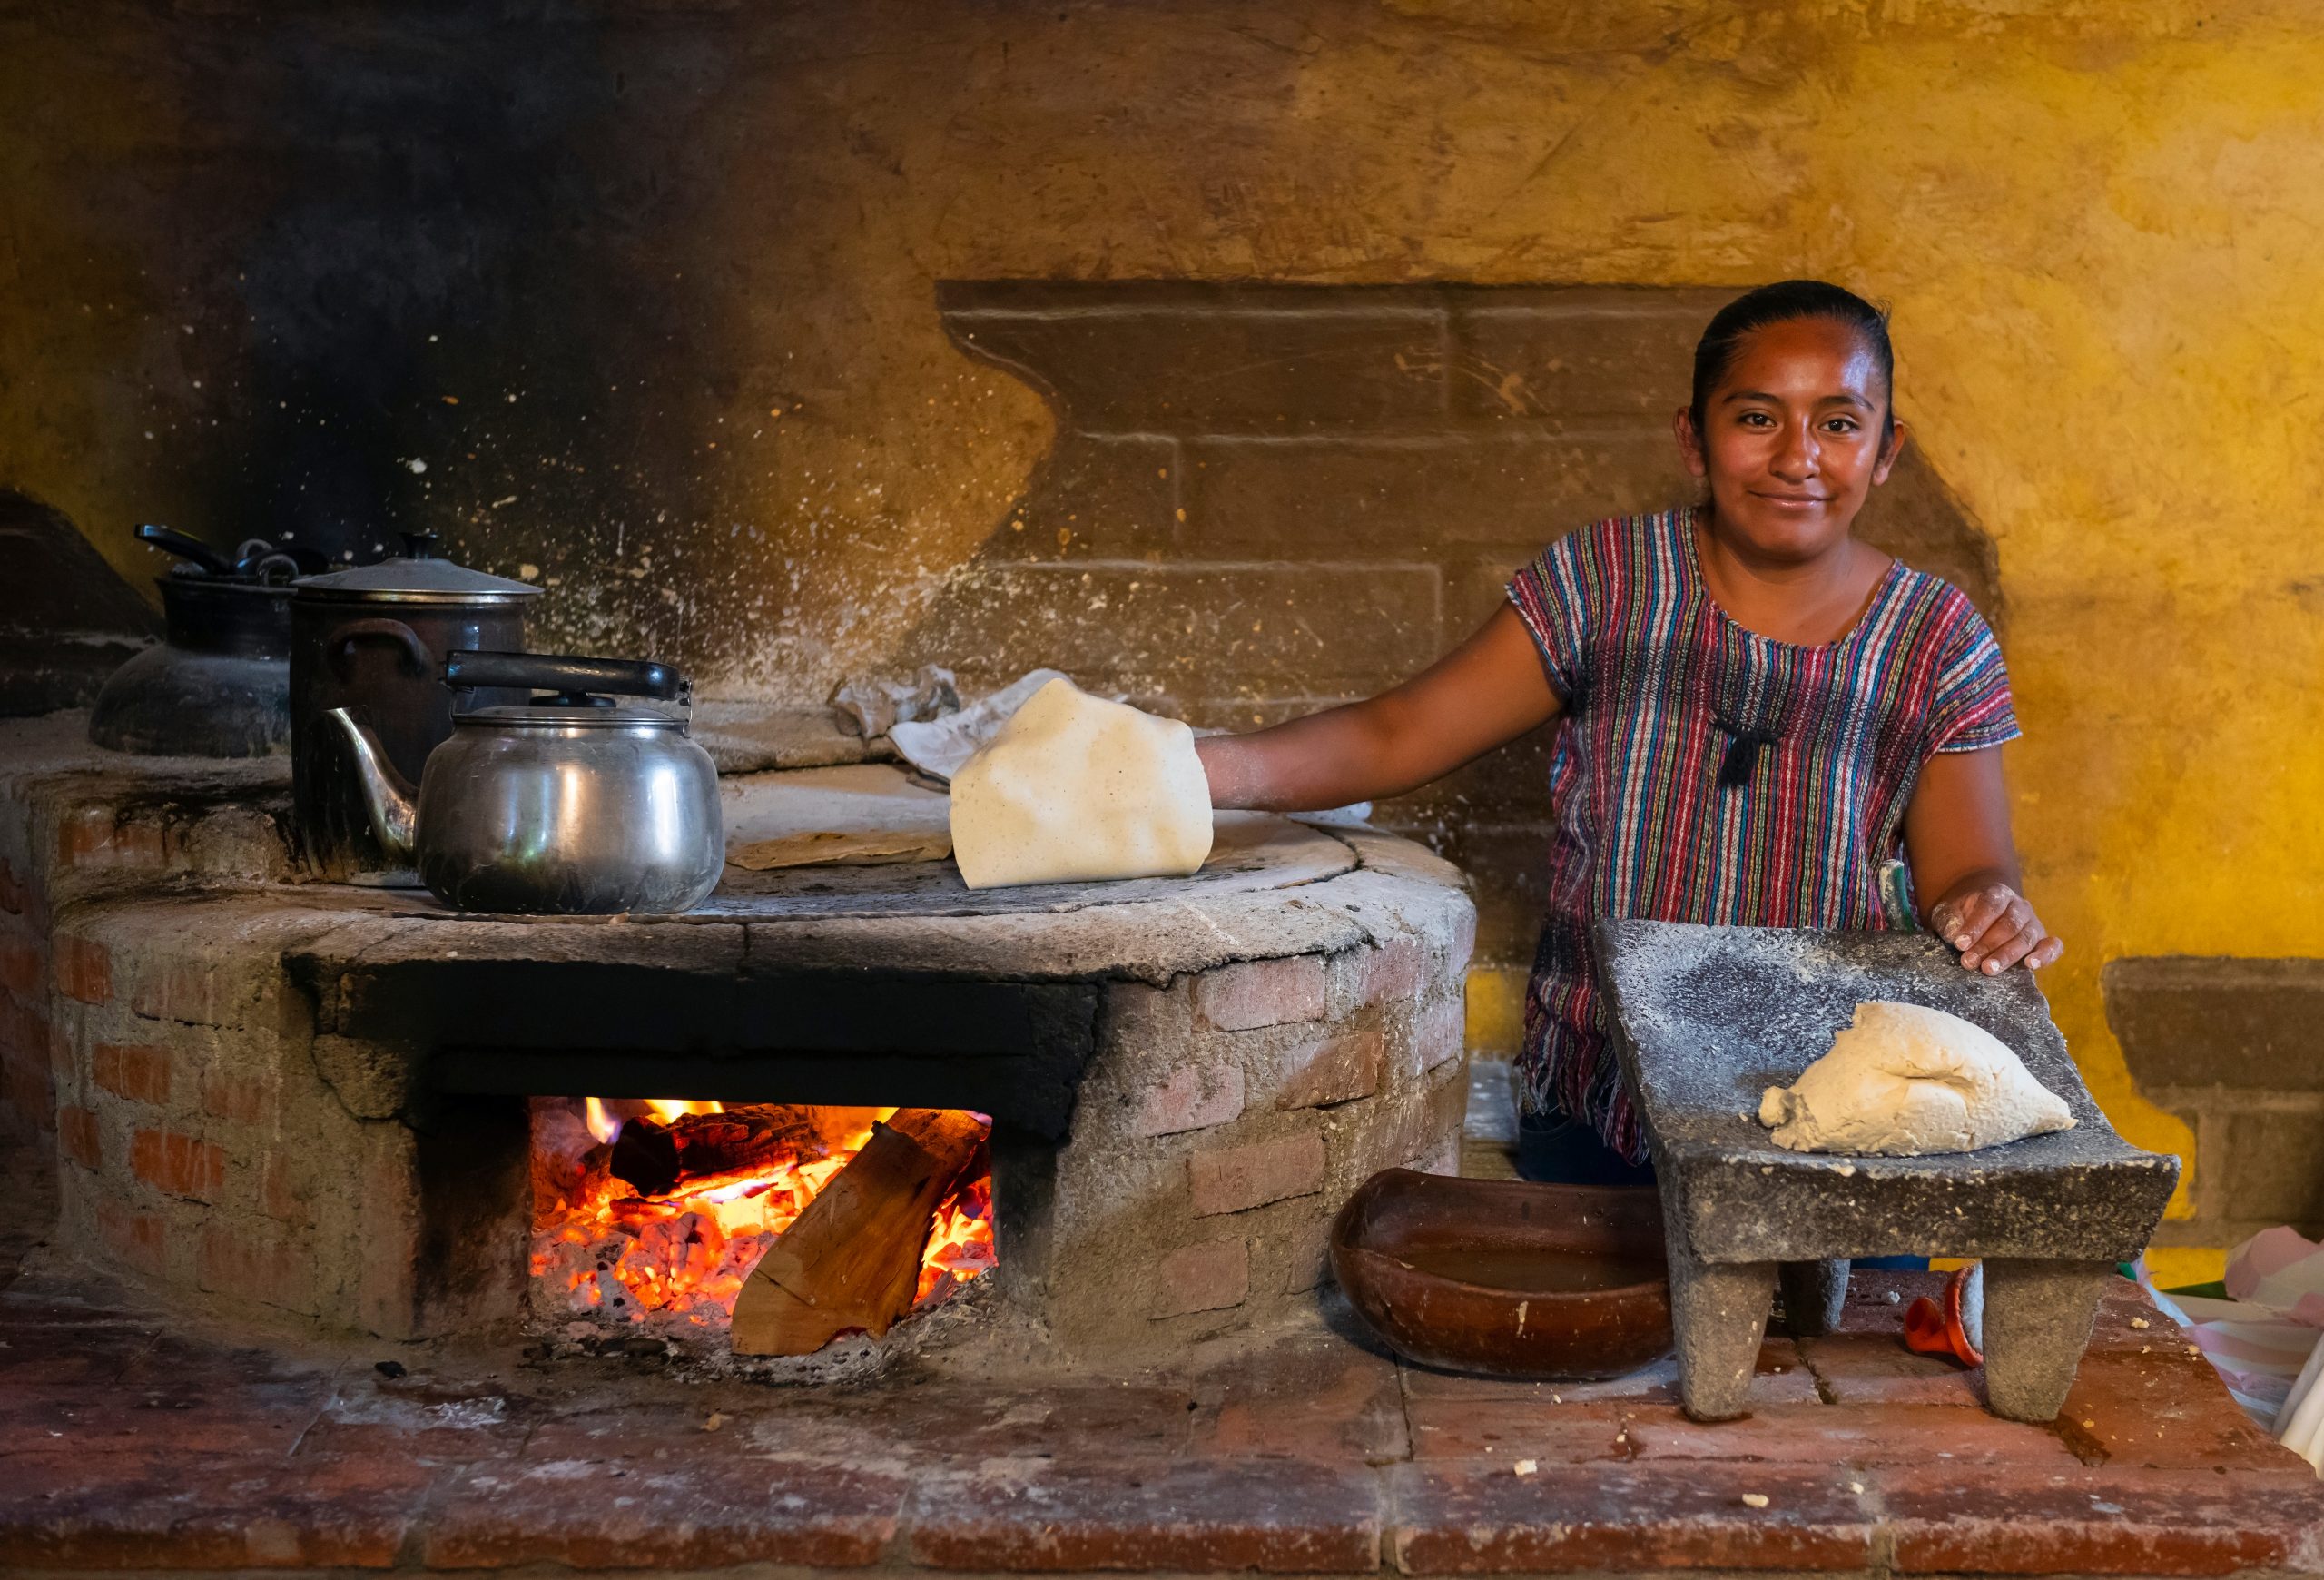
x=387 y=795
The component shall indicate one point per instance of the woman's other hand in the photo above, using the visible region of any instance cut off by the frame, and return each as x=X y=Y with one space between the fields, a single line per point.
x=1993 y=926
x=1956 y=833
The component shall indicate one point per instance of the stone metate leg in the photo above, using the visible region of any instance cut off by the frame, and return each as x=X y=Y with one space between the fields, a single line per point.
x=1719 y=1315
x=1813 y=1294
x=2038 y=1316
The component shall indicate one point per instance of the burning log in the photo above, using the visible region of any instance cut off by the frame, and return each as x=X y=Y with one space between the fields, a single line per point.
x=655 y=1156
x=568 y=1162
x=853 y=1260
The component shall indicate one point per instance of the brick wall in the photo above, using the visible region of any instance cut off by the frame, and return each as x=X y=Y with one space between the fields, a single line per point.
x=1224 y=1119
x=27 y=1094
x=2236 y=1049
x=1265 y=500
x=147 y=1041
x=200 y=1148
x=73 y=838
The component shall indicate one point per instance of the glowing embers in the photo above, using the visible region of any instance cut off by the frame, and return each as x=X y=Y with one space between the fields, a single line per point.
x=652 y=1213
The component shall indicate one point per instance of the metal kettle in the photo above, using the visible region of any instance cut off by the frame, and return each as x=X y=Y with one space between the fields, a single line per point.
x=568 y=805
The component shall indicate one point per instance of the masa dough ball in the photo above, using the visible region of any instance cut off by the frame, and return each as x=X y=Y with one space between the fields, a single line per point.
x=1901 y=1079
x=1073 y=788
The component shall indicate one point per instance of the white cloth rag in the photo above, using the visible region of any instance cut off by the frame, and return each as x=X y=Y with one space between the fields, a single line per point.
x=940 y=747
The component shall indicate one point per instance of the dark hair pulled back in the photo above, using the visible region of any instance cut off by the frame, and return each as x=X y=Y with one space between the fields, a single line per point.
x=1782 y=302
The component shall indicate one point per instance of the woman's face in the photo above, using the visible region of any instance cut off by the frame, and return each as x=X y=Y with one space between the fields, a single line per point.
x=1791 y=440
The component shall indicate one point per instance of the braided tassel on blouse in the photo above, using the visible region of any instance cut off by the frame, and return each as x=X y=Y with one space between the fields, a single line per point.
x=1743 y=758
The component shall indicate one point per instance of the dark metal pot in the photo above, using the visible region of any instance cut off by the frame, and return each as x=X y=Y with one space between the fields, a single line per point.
x=373 y=640
x=219 y=683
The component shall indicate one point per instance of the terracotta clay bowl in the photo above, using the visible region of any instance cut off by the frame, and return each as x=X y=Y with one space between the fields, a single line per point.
x=1555 y=1282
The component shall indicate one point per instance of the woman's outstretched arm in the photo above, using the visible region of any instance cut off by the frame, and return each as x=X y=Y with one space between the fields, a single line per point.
x=1489 y=689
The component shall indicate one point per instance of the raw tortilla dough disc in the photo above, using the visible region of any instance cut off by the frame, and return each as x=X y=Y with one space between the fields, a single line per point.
x=1074 y=788
x=1902 y=1080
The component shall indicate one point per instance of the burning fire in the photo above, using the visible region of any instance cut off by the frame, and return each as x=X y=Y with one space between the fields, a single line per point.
x=607 y=1129
x=682 y=1256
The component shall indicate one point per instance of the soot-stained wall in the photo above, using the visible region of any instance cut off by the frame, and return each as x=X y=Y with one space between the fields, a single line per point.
x=680 y=266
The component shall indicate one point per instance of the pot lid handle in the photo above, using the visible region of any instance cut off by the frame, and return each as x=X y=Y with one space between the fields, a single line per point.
x=572 y=677
x=170 y=540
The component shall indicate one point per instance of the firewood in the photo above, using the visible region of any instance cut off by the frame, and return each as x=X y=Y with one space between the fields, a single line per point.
x=852 y=1260
x=697 y=1148
x=568 y=1162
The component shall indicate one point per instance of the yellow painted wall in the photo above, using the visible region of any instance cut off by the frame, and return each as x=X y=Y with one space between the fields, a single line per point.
x=2100 y=227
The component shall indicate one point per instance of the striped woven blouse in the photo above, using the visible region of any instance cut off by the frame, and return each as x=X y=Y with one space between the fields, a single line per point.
x=1704 y=772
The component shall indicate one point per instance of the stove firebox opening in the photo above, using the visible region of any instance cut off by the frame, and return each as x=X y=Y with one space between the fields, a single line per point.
x=652 y=1215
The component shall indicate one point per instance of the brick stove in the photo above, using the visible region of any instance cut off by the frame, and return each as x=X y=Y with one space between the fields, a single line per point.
x=314 y=1102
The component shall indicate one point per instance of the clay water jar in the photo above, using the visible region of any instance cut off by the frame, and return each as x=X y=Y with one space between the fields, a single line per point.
x=1555 y=1282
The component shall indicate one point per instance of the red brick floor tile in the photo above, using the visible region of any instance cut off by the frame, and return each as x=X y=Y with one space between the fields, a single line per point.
x=649 y=1432
x=2132 y=1325
x=1864 y=1369
x=50 y=1307
x=1316 y=1399
x=1784 y=1376
x=1933 y=1434
x=173 y=1361
x=1658 y=1381
x=2167 y=1410
x=2102 y=1522
x=950 y=1418
x=2129 y=1321
x=1783 y=1379
x=1277 y=1516
x=1473 y=1518
x=59 y=1418
x=458 y=1425
x=1509 y=1429
x=167 y=1510
x=713 y=1507
x=41 y=1353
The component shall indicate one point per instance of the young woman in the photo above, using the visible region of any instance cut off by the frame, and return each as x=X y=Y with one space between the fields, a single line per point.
x=1756 y=710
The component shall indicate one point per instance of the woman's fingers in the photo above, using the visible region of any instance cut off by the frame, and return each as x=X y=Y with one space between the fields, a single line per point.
x=2017 y=947
x=1994 y=939
x=1964 y=920
x=1994 y=928
x=1994 y=916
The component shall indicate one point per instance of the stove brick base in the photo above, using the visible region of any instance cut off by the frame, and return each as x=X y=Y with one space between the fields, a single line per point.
x=227 y=1066
x=256 y=1163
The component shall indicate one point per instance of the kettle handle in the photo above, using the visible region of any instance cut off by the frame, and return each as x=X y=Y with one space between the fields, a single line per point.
x=342 y=651
x=571 y=676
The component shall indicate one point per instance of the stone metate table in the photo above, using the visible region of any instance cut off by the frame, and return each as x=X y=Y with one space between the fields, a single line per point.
x=1708 y=1017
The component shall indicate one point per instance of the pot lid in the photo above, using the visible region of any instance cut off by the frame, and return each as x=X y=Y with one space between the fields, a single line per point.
x=418 y=572
x=558 y=715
